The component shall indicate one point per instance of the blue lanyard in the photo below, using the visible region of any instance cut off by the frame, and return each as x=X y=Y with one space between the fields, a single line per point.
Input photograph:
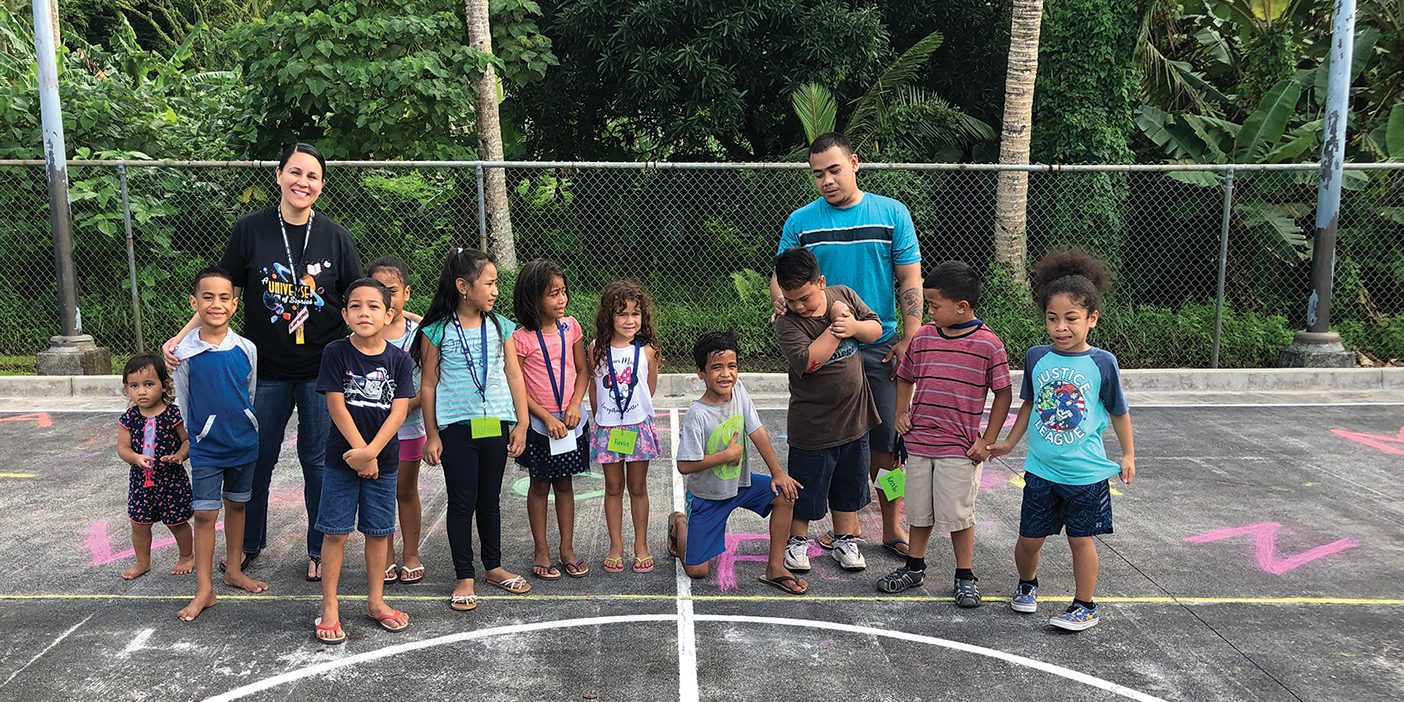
x=559 y=392
x=966 y=325
x=481 y=385
x=623 y=401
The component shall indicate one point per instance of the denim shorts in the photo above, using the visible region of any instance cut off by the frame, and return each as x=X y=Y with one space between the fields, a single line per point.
x=706 y=519
x=208 y=484
x=883 y=436
x=1048 y=506
x=345 y=495
x=833 y=478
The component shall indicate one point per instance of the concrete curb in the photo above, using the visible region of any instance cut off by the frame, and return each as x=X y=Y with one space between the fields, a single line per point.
x=683 y=385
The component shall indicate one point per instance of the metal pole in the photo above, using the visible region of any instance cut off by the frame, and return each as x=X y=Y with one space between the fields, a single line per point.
x=482 y=212
x=55 y=160
x=1223 y=266
x=131 y=260
x=1328 y=193
x=1317 y=346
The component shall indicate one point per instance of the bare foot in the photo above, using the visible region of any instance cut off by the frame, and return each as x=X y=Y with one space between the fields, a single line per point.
x=184 y=566
x=202 y=602
x=244 y=582
x=138 y=570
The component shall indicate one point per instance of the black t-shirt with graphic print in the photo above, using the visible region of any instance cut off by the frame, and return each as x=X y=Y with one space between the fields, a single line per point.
x=371 y=384
x=291 y=321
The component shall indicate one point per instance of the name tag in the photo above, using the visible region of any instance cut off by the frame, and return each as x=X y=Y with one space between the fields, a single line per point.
x=622 y=441
x=486 y=427
x=893 y=483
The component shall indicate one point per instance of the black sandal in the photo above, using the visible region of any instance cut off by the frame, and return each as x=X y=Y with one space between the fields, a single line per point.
x=243 y=562
x=318 y=561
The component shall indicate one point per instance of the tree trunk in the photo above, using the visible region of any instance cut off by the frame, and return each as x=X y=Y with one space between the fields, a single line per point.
x=500 y=242
x=1010 y=235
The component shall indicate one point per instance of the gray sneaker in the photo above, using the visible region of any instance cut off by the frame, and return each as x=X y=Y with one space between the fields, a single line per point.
x=847 y=554
x=901 y=579
x=966 y=593
x=797 y=554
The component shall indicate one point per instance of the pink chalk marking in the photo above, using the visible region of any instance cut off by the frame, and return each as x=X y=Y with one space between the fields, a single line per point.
x=991 y=478
x=1265 y=546
x=100 y=546
x=1389 y=444
x=726 y=562
x=40 y=419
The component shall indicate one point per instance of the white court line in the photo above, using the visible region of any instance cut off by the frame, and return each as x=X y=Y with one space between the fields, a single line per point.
x=687 y=636
x=369 y=656
x=1058 y=670
x=48 y=648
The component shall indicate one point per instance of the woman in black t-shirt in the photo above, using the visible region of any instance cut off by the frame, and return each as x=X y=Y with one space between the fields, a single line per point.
x=291 y=265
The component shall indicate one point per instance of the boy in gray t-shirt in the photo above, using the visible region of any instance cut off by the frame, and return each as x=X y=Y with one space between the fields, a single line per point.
x=712 y=456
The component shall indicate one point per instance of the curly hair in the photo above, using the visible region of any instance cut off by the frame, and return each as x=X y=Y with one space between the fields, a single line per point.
x=612 y=301
x=1077 y=274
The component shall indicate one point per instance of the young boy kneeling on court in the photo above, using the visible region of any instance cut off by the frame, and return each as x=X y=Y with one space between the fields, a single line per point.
x=831 y=406
x=941 y=384
x=712 y=454
x=368 y=383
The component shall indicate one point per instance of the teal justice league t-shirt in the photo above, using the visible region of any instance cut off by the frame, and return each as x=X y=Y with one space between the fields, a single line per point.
x=1074 y=395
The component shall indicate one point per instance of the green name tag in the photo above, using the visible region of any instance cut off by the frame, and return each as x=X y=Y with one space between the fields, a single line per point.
x=893 y=483
x=621 y=441
x=487 y=427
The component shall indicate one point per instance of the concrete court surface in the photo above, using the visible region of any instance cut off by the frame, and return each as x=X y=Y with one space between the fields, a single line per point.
x=1257 y=556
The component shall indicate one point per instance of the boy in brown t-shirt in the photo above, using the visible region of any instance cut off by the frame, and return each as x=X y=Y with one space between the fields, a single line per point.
x=831 y=407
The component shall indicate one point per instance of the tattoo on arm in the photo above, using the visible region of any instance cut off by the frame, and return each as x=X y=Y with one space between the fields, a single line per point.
x=911 y=302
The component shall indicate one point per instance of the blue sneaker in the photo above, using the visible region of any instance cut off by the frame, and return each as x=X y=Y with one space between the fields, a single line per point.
x=1077 y=617
x=1025 y=599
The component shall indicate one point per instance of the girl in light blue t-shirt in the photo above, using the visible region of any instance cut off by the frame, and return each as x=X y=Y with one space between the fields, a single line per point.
x=474 y=402
x=1075 y=391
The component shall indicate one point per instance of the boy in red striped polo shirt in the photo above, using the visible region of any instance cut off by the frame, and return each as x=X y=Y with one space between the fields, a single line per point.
x=952 y=362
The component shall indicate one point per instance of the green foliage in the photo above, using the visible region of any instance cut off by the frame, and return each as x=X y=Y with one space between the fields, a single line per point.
x=659 y=79
x=125 y=99
x=525 y=52
x=362 y=78
x=1082 y=114
x=894 y=120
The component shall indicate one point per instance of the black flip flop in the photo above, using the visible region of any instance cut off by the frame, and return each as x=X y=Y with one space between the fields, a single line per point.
x=317 y=579
x=779 y=583
x=673 y=536
x=243 y=563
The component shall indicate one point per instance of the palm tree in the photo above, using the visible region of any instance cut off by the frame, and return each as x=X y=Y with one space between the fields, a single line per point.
x=1011 y=215
x=500 y=242
x=874 y=121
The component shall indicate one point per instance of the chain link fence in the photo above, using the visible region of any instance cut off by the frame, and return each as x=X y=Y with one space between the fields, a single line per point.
x=1193 y=287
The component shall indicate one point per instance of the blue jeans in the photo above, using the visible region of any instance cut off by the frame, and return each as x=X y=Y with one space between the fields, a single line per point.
x=273 y=405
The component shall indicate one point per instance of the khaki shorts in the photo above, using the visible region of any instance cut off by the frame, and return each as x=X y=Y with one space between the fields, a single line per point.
x=941 y=492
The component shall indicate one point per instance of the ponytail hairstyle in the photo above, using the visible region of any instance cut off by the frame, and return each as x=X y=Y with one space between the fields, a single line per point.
x=465 y=264
x=612 y=300
x=1077 y=274
x=532 y=282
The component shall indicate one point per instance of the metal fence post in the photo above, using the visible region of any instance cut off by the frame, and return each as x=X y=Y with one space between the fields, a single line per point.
x=131 y=259
x=1223 y=266
x=482 y=211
